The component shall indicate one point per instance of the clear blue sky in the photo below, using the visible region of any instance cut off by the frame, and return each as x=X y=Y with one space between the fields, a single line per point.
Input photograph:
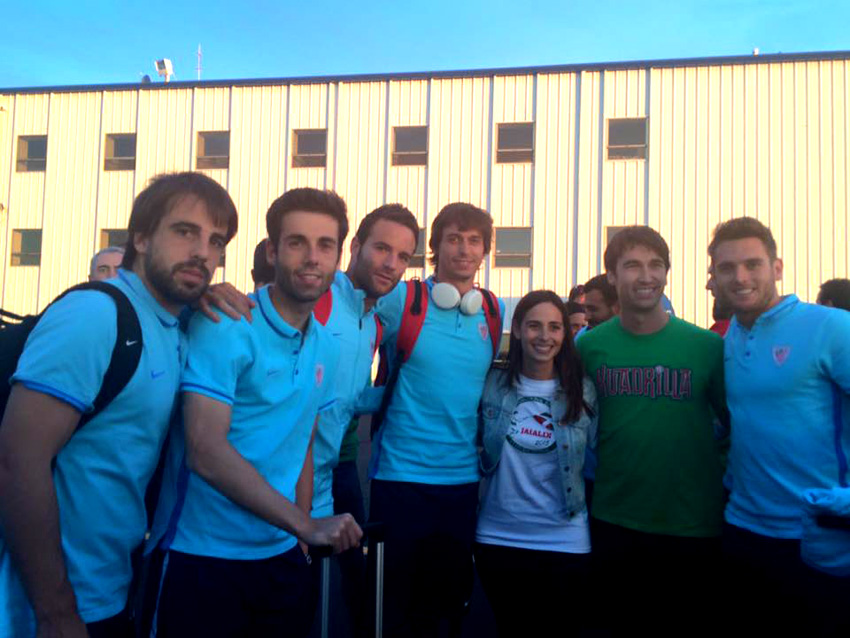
x=45 y=43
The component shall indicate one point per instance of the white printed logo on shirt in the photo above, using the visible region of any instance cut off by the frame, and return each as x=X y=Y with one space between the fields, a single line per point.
x=532 y=428
x=780 y=354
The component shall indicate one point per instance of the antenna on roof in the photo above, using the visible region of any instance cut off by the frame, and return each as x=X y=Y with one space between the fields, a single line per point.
x=200 y=55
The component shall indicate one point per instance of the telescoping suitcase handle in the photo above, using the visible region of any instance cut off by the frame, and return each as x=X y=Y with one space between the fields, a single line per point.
x=375 y=533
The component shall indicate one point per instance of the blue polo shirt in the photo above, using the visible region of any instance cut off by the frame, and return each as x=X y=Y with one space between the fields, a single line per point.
x=102 y=472
x=355 y=331
x=429 y=432
x=276 y=380
x=787 y=383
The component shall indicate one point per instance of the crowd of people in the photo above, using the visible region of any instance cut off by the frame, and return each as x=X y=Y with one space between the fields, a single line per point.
x=641 y=475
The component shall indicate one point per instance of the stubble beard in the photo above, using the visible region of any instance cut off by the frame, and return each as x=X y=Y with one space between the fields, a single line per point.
x=162 y=280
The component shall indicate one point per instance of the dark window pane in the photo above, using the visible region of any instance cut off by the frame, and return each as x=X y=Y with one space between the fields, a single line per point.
x=311 y=142
x=214 y=144
x=627 y=152
x=513 y=248
x=26 y=248
x=513 y=240
x=123 y=146
x=307 y=161
x=411 y=139
x=410 y=159
x=512 y=261
x=110 y=237
x=32 y=153
x=37 y=148
x=213 y=162
x=513 y=137
x=627 y=132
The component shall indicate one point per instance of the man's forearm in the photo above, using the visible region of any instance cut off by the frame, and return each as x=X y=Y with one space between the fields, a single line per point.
x=29 y=519
x=227 y=471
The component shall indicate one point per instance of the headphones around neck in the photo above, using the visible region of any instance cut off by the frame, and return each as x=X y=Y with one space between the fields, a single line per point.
x=447 y=297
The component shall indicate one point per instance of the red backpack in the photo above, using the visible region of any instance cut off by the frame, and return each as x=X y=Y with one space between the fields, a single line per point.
x=322 y=312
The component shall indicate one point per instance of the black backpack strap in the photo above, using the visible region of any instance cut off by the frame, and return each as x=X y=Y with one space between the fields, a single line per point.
x=125 y=354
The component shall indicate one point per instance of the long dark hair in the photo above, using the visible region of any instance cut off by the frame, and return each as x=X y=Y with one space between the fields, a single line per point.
x=568 y=368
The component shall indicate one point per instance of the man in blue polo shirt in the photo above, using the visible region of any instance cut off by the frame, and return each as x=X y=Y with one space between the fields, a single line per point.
x=787 y=369
x=238 y=484
x=68 y=530
x=380 y=252
x=424 y=462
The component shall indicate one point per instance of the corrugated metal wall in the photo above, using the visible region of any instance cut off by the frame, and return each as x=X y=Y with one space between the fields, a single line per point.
x=768 y=139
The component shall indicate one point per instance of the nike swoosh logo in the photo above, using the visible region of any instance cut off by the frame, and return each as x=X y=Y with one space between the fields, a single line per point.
x=336 y=334
x=130 y=343
x=272 y=373
x=156 y=375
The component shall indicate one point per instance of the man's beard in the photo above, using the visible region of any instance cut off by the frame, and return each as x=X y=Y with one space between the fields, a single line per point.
x=165 y=284
x=284 y=280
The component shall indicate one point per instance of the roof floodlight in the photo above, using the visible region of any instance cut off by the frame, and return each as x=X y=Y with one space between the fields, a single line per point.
x=164 y=68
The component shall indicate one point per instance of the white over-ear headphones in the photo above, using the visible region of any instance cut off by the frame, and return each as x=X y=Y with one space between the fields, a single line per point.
x=447 y=297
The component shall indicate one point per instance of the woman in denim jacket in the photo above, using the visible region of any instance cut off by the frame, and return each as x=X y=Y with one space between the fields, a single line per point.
x=538 y=416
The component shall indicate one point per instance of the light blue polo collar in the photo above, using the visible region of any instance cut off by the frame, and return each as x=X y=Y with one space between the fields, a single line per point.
x=351 y=296
x=273 y=318
x=786 y=303
x=135 y=283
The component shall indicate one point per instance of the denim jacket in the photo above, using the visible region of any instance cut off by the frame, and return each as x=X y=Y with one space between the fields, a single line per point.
x=497 y=407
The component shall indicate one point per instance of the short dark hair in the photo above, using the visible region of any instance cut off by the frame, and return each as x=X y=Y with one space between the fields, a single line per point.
x=601 y=283
x=573 y=307
x=311 y=200
x=263 y=271
x=466 y=217
x=632 y=236
x=396 y=213
x=576 y=292
x=836 y=291
x=743 y=228
x=163 y=193
x=568 y=366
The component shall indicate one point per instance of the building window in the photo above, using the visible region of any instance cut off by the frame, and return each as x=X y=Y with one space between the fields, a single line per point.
x=627 y=138
x=213 y=149
x=513 y=248
x=610 y=231
x=417 y=260
x=32 y=153
x=110 y=237
x=26 y=247
x=515 y=143
x=311 y=148
x=120 y=152
x=410 y=146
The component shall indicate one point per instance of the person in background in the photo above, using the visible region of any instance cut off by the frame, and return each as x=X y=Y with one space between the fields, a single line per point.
x=263 y=272
x=577 y=316
x=537 y=416
x=835 y=293
x=105 y=264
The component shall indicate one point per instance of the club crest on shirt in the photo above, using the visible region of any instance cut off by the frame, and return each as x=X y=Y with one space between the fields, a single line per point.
x=780 y=354
x=483 y=331
x=320 y=373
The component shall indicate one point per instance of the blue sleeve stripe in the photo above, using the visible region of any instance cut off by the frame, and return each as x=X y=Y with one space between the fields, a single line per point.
x=324 y=407
x=200 y=389
x=75 y=403
x=838 y=422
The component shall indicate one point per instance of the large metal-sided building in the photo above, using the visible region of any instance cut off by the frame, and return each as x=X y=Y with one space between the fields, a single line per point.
x=561 y=156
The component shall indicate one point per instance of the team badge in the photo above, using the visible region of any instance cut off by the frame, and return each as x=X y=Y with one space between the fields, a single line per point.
x=780 y=354
x=483 y=331
x=320 y=373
